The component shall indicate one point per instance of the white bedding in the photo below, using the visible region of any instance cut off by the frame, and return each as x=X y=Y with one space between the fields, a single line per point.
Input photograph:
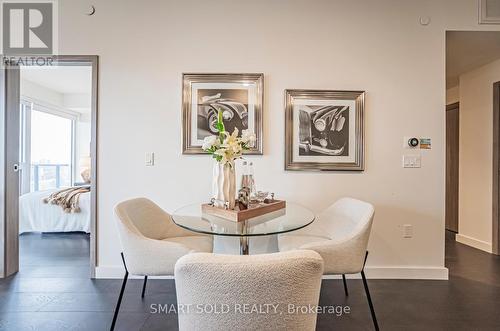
x=37 y=216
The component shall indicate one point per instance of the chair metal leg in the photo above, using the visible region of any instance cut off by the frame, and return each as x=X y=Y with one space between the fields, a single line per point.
x=120 y=297
x=144 y=286
x=345 y=285
x=367 y=291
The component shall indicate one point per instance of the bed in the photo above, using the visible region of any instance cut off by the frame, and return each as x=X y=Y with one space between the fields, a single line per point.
x=37 y=216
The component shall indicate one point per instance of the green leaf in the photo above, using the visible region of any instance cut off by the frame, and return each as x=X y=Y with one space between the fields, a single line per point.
x=220 y=123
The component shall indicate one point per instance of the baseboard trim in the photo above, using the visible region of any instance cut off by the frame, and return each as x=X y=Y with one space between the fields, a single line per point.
x=406 y=272
x=431 y=273
x=473 y=242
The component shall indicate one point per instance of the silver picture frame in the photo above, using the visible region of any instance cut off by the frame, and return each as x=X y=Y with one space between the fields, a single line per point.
x=324 y=130
x=485 y=15
x=210 y=91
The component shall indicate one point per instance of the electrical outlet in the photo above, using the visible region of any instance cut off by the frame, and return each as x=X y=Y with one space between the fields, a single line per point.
x=407 y=230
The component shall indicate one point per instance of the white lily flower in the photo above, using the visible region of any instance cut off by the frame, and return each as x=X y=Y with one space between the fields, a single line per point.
x=209 y=142
x=248 y=137
x=228 y=147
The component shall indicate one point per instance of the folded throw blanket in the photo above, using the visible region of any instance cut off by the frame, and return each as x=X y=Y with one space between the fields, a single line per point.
x=68 y=198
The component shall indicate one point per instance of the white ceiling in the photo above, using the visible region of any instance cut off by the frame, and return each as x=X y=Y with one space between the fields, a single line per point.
x=467 y=50
x=62 y=79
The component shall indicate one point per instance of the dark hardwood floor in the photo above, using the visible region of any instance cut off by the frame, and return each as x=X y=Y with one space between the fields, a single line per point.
x=52 y=292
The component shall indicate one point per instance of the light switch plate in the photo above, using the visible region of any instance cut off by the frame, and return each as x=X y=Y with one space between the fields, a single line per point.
x=412 y=161
x=407 y=231
x=150 y=159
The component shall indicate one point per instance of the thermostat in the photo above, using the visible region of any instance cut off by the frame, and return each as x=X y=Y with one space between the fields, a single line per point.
x=413 y=142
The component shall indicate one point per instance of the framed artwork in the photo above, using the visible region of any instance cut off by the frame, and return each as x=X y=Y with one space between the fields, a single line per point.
x=489 y=12
x=324 y=130
x=238 y=96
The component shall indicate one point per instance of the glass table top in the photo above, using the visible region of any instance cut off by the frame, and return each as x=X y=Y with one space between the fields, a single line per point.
x=292 y=218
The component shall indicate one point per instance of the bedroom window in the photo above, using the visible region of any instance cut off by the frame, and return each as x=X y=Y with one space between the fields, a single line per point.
x=47 y=148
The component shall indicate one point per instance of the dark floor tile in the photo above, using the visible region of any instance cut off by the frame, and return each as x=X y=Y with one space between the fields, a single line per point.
x=131 y=321
x=82 y=302
x=25 y=302
x=161 y=322
x=468 y=301
x=74 y=321
x=106 y=302
x=35 y=285
x=53 y=261
x=43 y=271
x=324 y=324
x=135 y=286
x=137 y=304
x=8 y=284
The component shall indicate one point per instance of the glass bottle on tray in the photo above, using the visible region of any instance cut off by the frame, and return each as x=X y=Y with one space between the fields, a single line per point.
x=251 y=181
x=244 y=175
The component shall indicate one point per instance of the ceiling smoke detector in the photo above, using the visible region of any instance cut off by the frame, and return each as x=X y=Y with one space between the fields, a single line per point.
x=90 y=10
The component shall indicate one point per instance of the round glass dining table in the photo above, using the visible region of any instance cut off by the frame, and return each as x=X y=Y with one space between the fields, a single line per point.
x=291 y=218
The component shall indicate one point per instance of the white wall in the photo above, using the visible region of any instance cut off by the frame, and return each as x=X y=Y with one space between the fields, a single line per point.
x=476 y=155
x=377 y=46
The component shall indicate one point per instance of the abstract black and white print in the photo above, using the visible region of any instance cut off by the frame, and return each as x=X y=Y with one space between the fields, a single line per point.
x=238 y=97
x=233 y=103
x=323 y=130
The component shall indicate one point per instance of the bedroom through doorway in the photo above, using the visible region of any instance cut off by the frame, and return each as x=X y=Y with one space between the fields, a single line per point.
x=55 y=171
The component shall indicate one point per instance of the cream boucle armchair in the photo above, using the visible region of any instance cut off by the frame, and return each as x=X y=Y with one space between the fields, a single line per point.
x=151 y=242
x=340 y=235
x=251 y=292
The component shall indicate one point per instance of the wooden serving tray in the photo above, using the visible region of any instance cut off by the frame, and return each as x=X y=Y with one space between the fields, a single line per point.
x=237 y=215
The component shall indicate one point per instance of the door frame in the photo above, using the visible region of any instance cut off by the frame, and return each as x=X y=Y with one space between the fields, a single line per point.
x=495 y=240
x=9 y=178
x=9 y=255
x=451 y=107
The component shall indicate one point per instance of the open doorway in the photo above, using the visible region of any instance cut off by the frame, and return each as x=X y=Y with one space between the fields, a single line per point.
x=472 y=149
x=55 y=194
x=50 y=168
